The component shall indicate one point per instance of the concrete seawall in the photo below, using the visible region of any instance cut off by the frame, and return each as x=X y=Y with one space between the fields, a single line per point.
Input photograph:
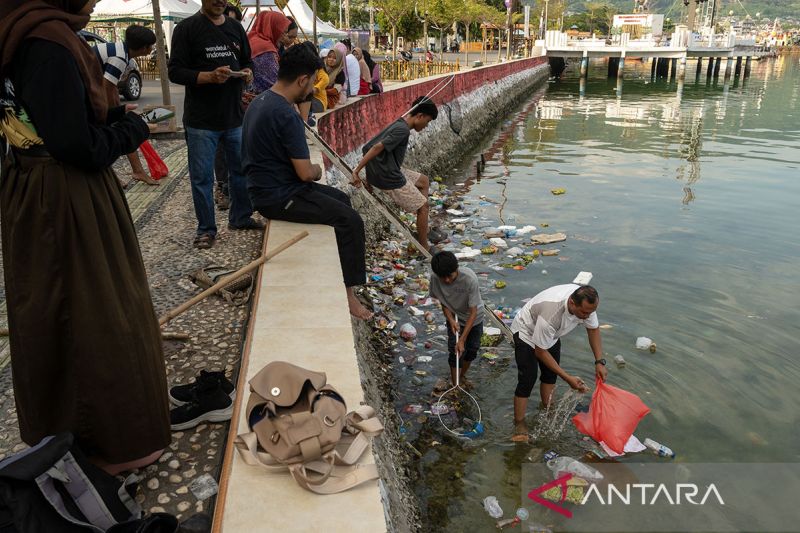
x=484 y=96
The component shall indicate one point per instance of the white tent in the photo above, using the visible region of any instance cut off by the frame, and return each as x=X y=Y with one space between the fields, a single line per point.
x=304 y=17
x=174 y=10
x=300 y=12
x=131 y=11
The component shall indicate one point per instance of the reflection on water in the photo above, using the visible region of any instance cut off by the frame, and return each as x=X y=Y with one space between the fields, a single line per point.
x=682 y=200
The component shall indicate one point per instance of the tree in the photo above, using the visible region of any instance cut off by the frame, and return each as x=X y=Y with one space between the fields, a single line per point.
x=470 y=13
x=595 y=9
x=393 y=11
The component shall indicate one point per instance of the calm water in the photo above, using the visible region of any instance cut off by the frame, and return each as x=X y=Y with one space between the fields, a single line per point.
x=683 y=202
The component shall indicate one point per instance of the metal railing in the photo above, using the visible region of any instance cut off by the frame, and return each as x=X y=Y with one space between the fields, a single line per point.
x=413 y=70
x=148 y=67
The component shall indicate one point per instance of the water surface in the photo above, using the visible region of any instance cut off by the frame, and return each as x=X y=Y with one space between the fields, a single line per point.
x=682 y=200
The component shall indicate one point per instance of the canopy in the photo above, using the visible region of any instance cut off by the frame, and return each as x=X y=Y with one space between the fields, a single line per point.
x=142 y=10
x=304 y=17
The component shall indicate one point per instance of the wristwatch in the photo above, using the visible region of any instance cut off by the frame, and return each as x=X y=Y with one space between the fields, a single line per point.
x=600 y=362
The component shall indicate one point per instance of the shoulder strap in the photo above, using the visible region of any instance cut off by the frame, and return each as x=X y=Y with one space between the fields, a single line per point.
x=338 y=470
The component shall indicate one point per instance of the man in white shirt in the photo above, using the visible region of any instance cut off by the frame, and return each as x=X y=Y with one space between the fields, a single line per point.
x=537 y=329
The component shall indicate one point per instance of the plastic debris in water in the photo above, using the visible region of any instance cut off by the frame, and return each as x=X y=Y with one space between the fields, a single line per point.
x=500 y=284
x=492 y=507
x=619 y=360
x=440 y=409
x=204 y=487
x=488 y=250
x=644 y=343
x=558 y=191
x=408 y=332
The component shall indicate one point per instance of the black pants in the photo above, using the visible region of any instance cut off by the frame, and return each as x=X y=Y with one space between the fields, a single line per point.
x=221 y=168
x=471 y=345
x=329 y=206
x=528 y=366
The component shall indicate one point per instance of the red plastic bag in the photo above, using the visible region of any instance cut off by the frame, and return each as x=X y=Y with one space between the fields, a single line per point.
x=156 y=165
x=613 y=416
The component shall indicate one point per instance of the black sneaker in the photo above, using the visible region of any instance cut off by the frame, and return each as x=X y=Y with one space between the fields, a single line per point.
x=208 y=405
x=181 y=394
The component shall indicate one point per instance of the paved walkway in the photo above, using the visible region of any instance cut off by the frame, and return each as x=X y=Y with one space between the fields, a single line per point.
x=165 y=224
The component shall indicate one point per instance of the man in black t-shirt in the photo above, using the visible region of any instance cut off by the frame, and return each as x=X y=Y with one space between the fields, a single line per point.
x=211 y=57
x=280 y=177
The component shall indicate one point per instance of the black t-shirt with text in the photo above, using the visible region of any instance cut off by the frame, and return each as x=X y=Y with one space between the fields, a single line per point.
x=198 y=45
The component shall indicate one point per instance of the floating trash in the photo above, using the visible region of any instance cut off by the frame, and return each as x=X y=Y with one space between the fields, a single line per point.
x=559 y=191
x=644 y=343
x=408 y=332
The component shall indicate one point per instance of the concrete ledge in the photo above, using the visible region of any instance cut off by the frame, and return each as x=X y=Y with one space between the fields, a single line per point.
x=300 y=315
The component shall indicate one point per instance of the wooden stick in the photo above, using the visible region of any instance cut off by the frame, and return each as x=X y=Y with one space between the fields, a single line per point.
x=374 y=200
x=227 y=279
x=174 y=336
x=377 y=203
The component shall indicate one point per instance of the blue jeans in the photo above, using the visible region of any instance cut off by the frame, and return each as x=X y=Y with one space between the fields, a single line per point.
x=202 y=147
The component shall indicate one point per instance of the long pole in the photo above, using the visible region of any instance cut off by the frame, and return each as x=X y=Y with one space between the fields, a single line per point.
x=227 y=279
x=161 y=53
x=314 y=22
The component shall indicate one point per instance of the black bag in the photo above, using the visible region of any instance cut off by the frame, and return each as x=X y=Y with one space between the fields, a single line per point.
x=52 y=487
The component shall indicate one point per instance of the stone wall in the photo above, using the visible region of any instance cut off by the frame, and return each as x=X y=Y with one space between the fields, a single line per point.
x=478 y=99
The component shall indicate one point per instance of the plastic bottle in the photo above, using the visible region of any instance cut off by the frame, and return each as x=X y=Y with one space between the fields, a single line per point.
x=659 y=449
x=573 y=466
x=523 y=513
x=508 y=522
x=492 y=507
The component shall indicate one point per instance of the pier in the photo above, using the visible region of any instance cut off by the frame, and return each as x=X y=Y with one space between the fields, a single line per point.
x=727 y=54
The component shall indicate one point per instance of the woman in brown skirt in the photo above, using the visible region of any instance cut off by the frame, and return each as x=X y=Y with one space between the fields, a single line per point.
x=86 y=351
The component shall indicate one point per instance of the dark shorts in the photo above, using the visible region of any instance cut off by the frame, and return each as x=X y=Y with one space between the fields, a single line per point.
x=528 y=366
x=471 y=347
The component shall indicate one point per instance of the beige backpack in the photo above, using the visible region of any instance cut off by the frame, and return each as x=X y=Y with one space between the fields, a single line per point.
x=300 y=423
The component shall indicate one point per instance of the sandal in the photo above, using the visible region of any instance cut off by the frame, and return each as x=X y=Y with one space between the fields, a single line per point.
x=204 y=241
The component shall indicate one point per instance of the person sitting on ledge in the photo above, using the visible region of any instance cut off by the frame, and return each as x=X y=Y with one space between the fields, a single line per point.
x=281 y=180
x=383 y=158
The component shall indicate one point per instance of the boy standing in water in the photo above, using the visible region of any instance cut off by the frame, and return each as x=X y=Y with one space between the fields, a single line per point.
x=457 y=290
x=383 y=158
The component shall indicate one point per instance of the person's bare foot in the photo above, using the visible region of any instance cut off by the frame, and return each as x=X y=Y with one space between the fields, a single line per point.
x=520 y=432
x=141 y=176
x=357 y=309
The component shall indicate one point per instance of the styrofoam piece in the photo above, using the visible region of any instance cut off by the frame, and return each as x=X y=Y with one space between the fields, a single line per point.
x=583 y=278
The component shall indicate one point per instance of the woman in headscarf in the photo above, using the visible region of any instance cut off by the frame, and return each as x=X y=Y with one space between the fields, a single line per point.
x=319 y=102
x=86 y=353
x=334 y=66
x=269 y=31
x=365 y=81
x=375 y=72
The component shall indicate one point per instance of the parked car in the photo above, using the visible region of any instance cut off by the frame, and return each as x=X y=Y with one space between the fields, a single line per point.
x=130 y=84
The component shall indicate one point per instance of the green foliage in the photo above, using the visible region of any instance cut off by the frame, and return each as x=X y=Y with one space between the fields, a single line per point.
x=767 y=8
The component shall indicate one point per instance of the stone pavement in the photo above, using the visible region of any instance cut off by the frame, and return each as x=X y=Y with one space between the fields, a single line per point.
x=165 y=223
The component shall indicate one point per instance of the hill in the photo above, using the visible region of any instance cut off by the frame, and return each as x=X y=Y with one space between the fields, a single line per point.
x=768 y=8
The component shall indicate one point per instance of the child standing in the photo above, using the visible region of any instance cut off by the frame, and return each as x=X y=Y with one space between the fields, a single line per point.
x=383 y=158
x=457 y=290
